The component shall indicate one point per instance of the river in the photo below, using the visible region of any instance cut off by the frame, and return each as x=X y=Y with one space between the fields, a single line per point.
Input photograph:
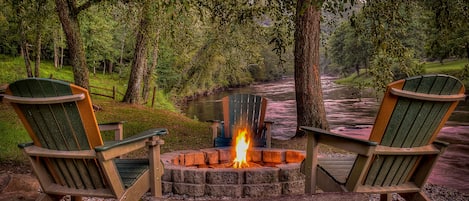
x=351 y=112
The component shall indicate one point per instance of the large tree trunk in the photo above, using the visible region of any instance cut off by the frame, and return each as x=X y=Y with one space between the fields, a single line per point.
x=135 y=80
x=68 y=15
x=309 y=98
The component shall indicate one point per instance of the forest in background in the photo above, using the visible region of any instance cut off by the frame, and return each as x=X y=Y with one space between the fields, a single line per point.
x=199 y=46
x=190 y=52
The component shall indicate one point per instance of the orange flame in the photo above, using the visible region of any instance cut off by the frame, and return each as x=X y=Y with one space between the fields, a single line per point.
x=241 y=149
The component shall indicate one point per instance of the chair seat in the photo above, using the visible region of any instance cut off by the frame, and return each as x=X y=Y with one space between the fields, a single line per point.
x=222 y=142
x=131 y=169
x=337 y=167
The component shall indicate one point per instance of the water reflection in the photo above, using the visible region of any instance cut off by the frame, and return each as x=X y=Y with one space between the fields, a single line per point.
x=349 y=111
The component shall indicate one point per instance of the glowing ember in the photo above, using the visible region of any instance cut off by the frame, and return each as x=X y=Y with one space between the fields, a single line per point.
x=241 y=148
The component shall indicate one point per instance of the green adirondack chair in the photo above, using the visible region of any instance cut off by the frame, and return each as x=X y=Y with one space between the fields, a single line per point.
x=401 y=150
x=68 y=155
x=242 y=110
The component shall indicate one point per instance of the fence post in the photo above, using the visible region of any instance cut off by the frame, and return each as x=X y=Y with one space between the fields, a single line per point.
x=113 y=92
x=153 y=98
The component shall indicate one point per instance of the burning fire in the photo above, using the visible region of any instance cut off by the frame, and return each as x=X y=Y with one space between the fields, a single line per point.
x=241 y=148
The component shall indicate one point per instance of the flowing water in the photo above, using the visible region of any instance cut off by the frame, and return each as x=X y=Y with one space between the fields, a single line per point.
x=350 y=111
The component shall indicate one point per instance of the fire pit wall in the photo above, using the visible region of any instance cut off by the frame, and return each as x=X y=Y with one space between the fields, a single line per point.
x=204 y=173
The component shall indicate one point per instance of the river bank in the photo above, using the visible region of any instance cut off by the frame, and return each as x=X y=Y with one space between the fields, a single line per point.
x=351 y=112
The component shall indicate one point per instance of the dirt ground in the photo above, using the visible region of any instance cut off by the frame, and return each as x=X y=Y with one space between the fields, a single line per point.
x=18 y=183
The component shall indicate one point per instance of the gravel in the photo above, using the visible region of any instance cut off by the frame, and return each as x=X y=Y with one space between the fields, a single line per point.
x=434 y=192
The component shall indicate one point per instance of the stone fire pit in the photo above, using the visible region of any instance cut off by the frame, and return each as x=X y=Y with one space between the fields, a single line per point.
x=204 y=172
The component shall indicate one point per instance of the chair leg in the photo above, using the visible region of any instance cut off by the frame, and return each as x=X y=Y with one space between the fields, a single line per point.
x=46 y=197
x=76 y=198
x=385 y=197
x=418 y=196
x=311 y=164
x=156 y=167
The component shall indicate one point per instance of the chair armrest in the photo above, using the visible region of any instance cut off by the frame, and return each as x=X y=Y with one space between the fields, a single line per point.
x=215 y=123
x=31 y=150
x=141 y=136
x=214 y=127
x=117 y=148
x=24 y=145
x=441 y=145
x=118 y=127
x=363 y=147
x=422 y=150
x=110 y=125
x=268 y=135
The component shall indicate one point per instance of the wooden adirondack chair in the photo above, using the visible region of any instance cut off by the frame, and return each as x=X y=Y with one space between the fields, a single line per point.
x=241 y=110
x=68 y=155
x=401 y=150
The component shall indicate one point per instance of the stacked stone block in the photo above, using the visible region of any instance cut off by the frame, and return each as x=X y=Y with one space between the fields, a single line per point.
x=203 y=172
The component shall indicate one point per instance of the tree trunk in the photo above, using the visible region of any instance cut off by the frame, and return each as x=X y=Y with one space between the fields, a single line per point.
x=38 y=49
x=357 y=68
x=149 y=71
x=38 y=54
x=467 y=50
x=56 y=50
x=104 y=67
x=24 y=41
x=61 y=57
x=135 y=80
x=309 y=98
x=68 y=15
x=40 y=15
x=110 y=67
x=25 y=54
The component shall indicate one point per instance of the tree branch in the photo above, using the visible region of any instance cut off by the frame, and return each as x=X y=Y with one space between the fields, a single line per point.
x=86 y=5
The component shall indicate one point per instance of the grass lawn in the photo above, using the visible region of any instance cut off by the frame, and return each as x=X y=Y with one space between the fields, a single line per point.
x=453 y=68
x=446 y=67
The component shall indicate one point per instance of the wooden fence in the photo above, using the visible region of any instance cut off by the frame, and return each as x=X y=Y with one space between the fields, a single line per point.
x=104 y=92
x=112 y=92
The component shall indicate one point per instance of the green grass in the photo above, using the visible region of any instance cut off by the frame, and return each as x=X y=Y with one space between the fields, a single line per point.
x=12 y=133
x=12 y=68
x=446 y=67
x=138 y=118
x=355 y=79
x=453 y=68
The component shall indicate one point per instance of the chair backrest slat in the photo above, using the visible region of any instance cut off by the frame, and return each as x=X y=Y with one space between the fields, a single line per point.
x=413 y=122
x=58 y=126
x=416 y=122
x=244 y=110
